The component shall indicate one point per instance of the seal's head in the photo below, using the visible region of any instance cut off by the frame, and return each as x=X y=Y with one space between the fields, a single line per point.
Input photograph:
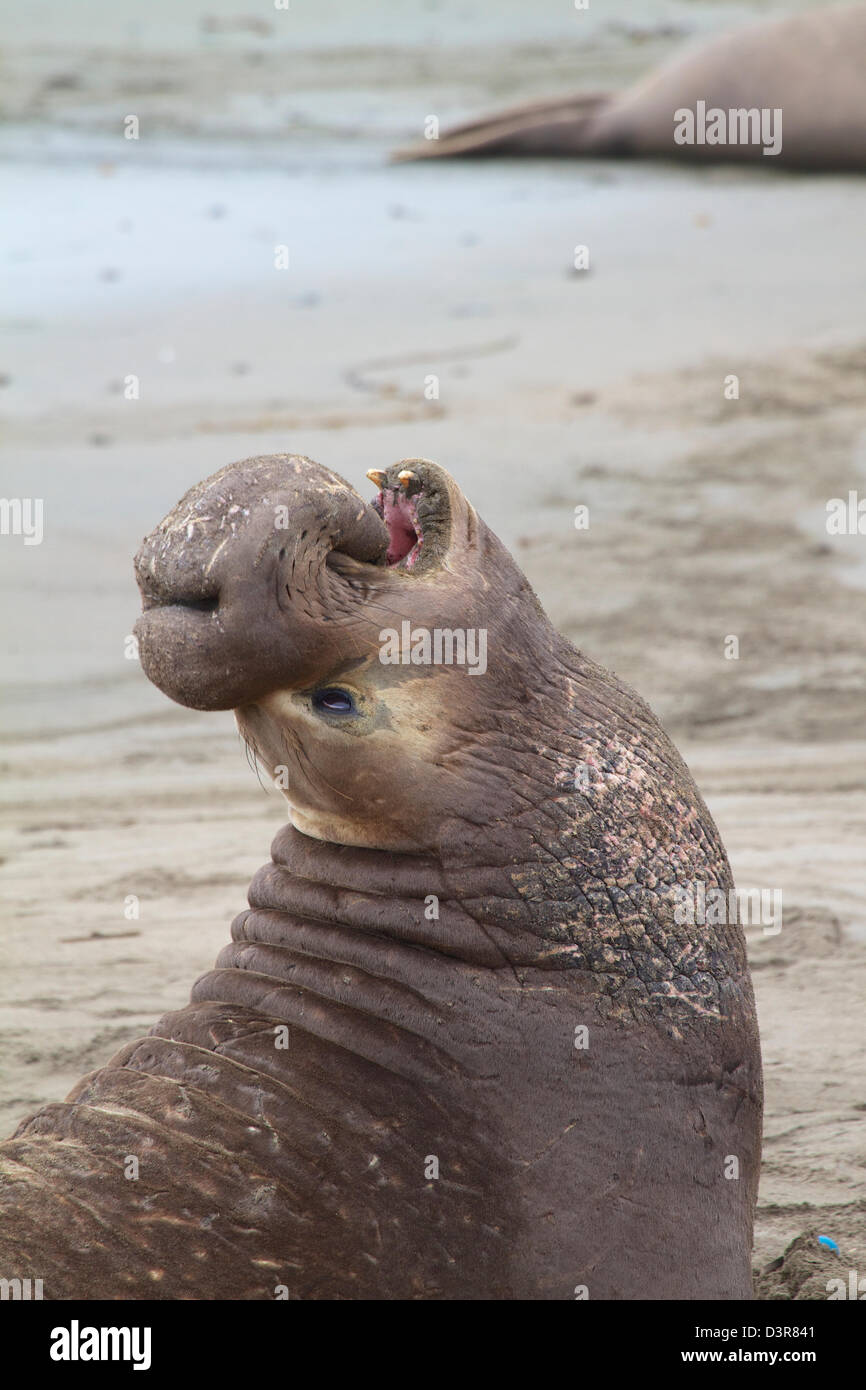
x=370 y=650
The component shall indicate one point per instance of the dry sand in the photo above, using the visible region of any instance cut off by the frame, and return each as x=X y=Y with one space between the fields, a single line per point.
x=707 y=516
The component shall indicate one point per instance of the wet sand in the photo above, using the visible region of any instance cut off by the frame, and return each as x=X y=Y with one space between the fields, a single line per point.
x=556 y=389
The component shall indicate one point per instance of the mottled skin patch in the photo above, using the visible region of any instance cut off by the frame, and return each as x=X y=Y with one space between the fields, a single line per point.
x=414 y=1033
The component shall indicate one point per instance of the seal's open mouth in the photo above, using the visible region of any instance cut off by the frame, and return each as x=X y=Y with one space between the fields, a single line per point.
x=400 y=515
x=397 y=505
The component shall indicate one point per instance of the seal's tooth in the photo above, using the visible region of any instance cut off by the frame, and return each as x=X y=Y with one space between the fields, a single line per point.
x=378 y=477
x=406 y=476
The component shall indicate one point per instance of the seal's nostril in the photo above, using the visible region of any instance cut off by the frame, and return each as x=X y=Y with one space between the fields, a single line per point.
x=201 y=605
x=153 y=600
x=167 y=585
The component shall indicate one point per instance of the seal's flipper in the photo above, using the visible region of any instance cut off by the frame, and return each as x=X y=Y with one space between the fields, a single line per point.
x=564 y=126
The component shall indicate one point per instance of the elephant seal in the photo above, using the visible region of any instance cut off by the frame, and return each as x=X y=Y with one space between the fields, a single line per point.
x=786 y=91
x=462 y=1044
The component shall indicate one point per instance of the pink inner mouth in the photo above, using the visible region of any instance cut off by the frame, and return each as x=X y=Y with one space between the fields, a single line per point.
x=400 y=515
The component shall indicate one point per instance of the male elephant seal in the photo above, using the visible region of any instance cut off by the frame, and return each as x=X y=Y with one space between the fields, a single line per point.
x=462 y=1044
x=788 y=91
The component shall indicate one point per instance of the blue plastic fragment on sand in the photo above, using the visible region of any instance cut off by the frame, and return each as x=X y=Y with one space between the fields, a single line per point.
x=830 y=1244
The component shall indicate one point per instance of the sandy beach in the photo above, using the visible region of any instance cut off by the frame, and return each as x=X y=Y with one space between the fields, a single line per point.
x=557 y=388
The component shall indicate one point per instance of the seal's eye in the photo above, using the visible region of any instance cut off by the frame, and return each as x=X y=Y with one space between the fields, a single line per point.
x=333 y=700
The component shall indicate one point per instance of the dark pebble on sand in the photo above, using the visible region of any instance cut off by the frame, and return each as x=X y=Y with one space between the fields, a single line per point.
x=63 y=82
